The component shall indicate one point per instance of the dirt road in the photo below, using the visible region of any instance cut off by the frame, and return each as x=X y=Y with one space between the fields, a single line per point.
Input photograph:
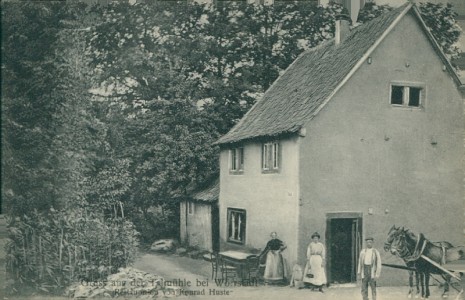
x=183 y=270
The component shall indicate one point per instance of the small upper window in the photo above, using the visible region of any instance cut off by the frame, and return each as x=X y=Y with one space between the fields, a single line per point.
x=190 y=207
x=237 y=160
x=407 y=96
x=270 y=157
x=275 y=156
x=397 y=95
x=414 y=96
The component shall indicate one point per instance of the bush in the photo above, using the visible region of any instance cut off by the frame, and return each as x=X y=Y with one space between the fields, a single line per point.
x=49 y=250
x=159 y=222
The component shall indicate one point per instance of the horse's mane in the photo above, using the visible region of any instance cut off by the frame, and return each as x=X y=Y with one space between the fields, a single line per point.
x=394 y=231
x=411 y=234
x=443 y=244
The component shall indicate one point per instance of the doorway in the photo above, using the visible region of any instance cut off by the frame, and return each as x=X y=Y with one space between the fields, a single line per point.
x=215 y=218
x=344 y=233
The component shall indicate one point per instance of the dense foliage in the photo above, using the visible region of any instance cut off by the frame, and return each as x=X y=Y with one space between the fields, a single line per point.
x=54 y=146
x=48 y=251
x=439 y=18
x=117 y=108
x=371 y=10
x=179 y=75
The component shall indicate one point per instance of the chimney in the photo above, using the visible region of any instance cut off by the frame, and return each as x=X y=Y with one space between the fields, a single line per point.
x=342 y=28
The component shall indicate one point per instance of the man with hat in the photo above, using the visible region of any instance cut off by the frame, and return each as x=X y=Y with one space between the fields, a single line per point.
x=369 y=268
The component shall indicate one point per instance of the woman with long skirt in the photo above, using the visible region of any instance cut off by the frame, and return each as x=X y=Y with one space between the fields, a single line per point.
x=314 y=273
x=275 y=269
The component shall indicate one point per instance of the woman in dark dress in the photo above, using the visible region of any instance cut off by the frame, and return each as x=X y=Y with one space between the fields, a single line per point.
x=275 y=270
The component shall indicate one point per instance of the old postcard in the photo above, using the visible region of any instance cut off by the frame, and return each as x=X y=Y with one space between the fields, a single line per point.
x=233 y=149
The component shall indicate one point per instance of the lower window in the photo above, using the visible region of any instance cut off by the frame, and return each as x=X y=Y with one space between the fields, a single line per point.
x=236 y=225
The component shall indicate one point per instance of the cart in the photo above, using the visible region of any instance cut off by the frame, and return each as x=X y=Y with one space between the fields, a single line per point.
x=455 y=269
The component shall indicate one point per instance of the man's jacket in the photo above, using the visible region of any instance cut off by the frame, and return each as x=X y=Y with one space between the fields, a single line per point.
x=375 y=263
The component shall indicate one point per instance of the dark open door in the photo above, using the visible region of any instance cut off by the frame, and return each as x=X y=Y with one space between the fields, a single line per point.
x=343 y=234
x=215 y=227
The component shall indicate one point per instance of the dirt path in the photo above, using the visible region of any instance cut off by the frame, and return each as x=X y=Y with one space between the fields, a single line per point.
x=173 y=267
x=185 y=269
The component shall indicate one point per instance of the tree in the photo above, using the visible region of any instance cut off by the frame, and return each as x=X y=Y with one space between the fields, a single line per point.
x=183 y=74
x=30 y=33
x=55 y=142
x=439 y=18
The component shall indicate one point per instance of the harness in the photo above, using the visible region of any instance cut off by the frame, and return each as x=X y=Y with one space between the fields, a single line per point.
x=444 y=251
x=417 y=252
x=408 y=256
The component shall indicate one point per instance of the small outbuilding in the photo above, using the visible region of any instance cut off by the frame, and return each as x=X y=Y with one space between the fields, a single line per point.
x=199 y=218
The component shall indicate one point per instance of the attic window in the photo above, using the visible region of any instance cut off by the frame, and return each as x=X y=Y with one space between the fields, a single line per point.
x=407 y=95
x=397 y=95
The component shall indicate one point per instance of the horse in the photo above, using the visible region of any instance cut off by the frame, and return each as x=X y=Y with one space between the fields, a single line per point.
x=406 y=245
x=410 y=264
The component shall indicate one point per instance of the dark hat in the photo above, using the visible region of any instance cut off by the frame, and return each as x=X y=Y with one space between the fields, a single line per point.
x=315 y=234
x=369 y=238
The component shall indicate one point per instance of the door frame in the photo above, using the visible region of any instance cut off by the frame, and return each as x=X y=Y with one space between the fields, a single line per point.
x=340 y=215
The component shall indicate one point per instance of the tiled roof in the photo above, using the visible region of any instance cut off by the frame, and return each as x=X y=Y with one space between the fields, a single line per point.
x=210 y=193
x=296 y=96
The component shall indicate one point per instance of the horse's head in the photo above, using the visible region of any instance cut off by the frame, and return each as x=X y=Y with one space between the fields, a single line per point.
x=397 y=244
x=401 y=243
x=391 y=236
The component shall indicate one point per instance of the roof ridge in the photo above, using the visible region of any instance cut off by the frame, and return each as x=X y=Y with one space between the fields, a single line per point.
x=401 y=11
x=313 y=78
x=233 y=129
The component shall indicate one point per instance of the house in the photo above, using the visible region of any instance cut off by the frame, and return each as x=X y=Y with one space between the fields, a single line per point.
x=360 y=133
x=199 y=220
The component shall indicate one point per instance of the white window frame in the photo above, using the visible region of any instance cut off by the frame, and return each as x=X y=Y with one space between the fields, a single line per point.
x=236 y=160
x=265 y=156
x=406 y=94
x=271 y=157
x=275 y=155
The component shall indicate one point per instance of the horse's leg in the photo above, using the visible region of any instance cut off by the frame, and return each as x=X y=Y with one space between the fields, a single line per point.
x=427 y=284
x=410 y=283
x=422 y=283
x=417 y=282
x=447 y=279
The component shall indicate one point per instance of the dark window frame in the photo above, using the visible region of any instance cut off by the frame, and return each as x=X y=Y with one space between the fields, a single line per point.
x=236 y=232
x=402 y=94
